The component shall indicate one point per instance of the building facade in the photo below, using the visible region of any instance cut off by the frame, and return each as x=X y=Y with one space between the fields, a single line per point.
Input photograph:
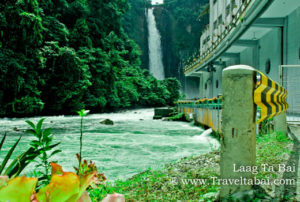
x=264 y=34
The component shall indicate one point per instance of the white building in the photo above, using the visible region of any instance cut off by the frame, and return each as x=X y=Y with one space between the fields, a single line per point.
x=264 y=34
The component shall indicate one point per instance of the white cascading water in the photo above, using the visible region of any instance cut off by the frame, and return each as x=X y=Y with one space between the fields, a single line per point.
x=155 y=53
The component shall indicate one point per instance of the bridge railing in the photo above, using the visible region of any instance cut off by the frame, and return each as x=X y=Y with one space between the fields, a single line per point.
x=205 y=112
x=237 y=19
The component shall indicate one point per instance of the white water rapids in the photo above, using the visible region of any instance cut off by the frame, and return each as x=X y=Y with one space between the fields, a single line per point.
x=133 y=144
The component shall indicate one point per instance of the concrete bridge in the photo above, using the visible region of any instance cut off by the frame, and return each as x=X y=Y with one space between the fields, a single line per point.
x=263 y=34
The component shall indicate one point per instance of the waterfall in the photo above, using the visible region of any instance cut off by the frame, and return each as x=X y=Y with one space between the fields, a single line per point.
x=155 y=53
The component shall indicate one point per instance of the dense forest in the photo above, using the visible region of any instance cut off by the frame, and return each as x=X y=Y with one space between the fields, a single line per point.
x=135 y=25
x=60 y=56
x=180 y=24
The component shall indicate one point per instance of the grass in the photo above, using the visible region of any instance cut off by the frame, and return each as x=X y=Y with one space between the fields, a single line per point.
x=157 y=185
x=272 y=154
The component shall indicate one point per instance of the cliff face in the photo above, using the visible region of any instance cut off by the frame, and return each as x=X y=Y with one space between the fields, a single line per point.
x=167 y=25
x=135 y=25
x=180 y=30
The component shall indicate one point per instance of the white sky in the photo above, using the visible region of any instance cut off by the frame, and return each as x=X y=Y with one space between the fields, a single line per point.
x=157 y=1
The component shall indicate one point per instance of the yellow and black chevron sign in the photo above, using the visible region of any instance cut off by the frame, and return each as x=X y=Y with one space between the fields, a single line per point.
x=270 y=97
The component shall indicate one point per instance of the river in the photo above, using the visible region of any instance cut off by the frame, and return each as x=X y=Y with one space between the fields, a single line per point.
x=133 y=144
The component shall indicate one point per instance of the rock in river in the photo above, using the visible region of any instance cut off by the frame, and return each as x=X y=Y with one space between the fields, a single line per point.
x=107 y=122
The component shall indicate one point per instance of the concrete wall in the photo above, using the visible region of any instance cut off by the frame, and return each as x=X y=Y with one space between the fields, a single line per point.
x=218 y=9
x=292 y=75
x=205 y=81
x=293 y=37
x=246 y=57
x=191 y=89
x=204 y=45
x=270 y=48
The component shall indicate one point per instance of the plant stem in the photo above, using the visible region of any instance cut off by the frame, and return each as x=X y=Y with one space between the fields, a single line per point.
x=80 y=152
x=45 y=163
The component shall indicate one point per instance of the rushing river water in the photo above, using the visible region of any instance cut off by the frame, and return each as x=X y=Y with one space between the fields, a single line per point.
x=134 y=143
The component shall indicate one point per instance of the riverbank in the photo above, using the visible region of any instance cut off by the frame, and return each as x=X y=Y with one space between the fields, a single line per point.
x=183 y=180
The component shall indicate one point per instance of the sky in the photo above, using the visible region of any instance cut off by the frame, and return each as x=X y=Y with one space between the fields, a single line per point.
x=157 y=1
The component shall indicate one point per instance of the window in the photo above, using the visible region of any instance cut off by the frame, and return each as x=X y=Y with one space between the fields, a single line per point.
x=217 y=83
x=205 y=86
x=216 y=24
x=268 y=66
x=220 y=19
x=227 y=10
x=233 y=5
x=215 y=1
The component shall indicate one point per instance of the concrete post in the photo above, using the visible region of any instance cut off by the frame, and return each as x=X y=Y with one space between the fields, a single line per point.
x=280 y=124
x=238 y=127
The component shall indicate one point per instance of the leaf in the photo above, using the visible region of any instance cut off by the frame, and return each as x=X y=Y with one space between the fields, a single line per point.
x=56 y=169
x=2 y=141
x=61 y=188
x=84 y=197
x=19 y=163
x=83 y=112
x=3 y=181
x=8 y=155
x=85 y=181
x=39 y=125
x=18 y=189
x=30 y=124
x=55 y=152
x=35 y=144
x=47 y=132
x=31 y=131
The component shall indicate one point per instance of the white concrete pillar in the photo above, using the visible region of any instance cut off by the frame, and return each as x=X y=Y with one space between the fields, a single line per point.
x=280 y=124
x=238 y=141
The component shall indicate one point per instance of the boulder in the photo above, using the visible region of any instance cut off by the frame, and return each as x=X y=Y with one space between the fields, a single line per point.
x=163 y=112
x=107 y=122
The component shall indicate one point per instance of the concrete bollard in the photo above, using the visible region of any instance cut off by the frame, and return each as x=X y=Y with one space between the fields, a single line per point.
x=280 y=124
x=238 y=141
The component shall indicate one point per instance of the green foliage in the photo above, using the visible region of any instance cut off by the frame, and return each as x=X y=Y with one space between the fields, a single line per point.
x=158 y=185
x=187 y=28
x=271 y=149
x=177 y=117
x=18 y=164
x=42 y=144
x=82 y=113
x=67 y=78
x=61 y=56
x=266 y=126
x=64 y=186
x=172 y=85
x=9 y=153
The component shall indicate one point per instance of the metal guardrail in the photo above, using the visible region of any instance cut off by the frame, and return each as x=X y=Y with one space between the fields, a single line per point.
x=270 y=97
x=206 y=112
x=243 y=91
